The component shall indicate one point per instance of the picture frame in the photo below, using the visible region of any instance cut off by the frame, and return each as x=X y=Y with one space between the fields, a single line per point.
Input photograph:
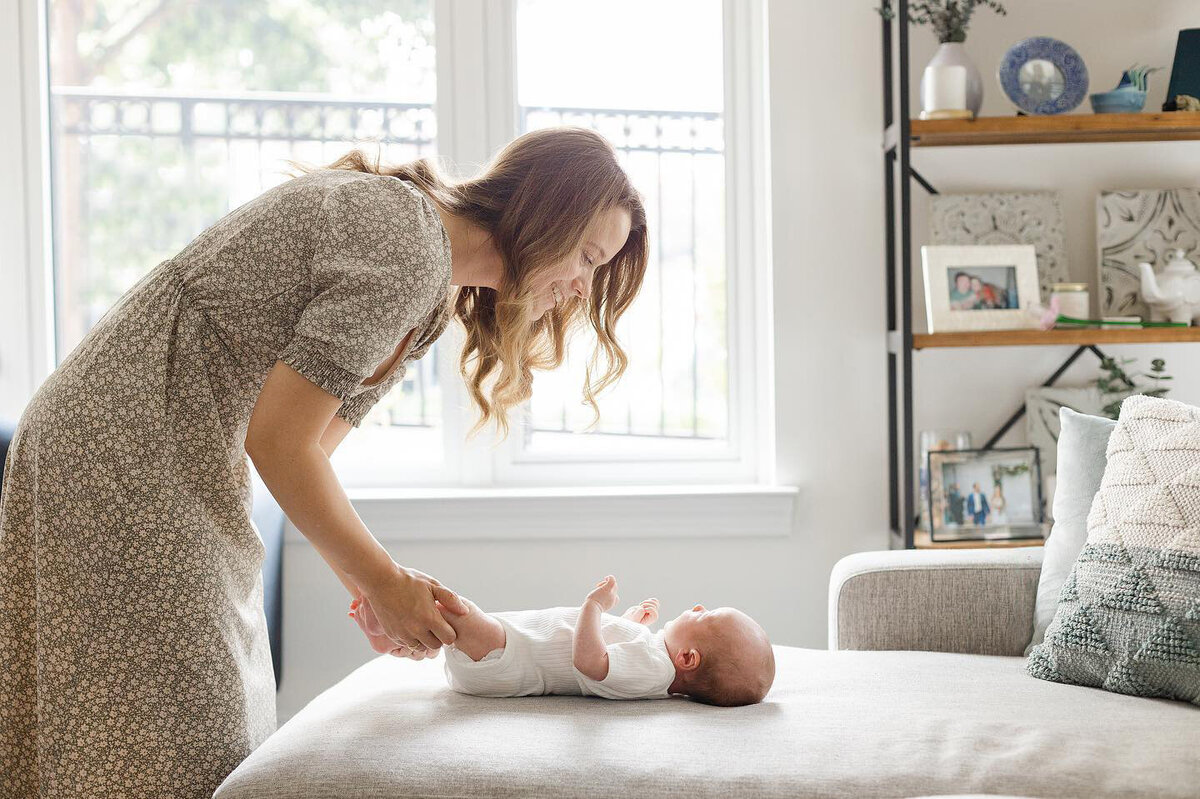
x=980 y=287
x=985 y=495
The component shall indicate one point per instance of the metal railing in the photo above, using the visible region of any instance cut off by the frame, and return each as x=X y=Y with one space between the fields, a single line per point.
x=643 y=139
x=277 y=125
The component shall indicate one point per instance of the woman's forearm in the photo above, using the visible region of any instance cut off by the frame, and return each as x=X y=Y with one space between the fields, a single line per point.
x=303 y=482
x=343 y=578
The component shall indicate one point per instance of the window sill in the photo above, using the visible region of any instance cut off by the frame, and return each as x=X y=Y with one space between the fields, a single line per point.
x=572 y=513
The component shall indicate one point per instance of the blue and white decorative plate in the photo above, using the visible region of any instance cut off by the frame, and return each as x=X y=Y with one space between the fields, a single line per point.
x=1042 y=75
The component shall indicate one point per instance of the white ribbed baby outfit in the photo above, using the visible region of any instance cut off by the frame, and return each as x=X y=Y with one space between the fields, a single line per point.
x=537 y=659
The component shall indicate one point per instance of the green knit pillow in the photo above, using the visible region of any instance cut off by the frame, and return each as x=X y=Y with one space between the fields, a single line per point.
x=1128 y=618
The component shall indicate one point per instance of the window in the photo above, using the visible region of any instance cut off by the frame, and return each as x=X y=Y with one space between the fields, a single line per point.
x=661 y=104
x=164 y=116
x=167 y=115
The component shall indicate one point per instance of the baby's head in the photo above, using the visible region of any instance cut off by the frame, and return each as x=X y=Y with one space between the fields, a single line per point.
x=721 y=656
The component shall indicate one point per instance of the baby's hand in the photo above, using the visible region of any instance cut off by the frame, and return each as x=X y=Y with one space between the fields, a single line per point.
x=645 y=613
x=605 y=593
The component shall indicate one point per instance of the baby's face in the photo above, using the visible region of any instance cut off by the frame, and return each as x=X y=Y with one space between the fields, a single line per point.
x=686 y=629
x=696 y=627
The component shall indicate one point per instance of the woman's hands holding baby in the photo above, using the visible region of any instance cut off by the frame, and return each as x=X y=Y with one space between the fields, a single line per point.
x=401 y=615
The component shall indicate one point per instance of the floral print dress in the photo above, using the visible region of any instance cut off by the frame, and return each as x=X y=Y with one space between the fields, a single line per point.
x=133 y=646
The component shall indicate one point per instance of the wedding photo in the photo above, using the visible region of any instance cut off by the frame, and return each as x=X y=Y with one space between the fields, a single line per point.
x=982 y=493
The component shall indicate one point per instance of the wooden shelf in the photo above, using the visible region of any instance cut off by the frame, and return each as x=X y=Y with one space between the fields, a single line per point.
x=1039 y=338
x=921 y=541
x=1057 y=129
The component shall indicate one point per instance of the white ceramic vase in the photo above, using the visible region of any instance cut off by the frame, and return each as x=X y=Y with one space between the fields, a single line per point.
x=954 y=54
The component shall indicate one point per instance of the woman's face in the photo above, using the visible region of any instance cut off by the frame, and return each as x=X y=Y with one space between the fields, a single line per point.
x=573 y=278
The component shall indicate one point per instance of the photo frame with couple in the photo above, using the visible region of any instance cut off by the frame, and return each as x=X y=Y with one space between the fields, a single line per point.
x=980 y=287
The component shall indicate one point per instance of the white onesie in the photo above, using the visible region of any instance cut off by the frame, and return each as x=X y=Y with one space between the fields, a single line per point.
x=537 y=659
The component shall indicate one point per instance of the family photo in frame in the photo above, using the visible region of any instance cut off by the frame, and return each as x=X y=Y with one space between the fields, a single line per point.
x=979 y=287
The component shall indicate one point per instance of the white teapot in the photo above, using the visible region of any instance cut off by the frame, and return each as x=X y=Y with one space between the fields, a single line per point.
x=1173 y=294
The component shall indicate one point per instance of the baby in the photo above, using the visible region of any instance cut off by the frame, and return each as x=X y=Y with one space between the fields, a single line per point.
x=719 y=657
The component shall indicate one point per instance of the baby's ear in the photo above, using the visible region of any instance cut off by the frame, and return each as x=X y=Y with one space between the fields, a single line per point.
x=687 y=659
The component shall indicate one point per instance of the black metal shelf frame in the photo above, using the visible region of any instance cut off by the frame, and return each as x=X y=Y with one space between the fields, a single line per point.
x=897 y=152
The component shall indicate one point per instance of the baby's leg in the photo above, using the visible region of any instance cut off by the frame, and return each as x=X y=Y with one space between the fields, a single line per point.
x=477 y=632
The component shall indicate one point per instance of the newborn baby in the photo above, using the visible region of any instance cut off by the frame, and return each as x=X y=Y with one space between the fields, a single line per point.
x=720 y=656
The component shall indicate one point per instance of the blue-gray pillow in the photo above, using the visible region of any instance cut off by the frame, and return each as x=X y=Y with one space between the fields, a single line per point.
x=1082 y=440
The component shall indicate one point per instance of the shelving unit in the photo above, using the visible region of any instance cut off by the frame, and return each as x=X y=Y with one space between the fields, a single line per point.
x=923 y=541
x=1042 y=338
x=1061 y=129
x=900 y=135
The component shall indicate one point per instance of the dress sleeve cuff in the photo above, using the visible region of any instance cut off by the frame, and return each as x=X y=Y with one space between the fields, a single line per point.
x=307 y=357
x=355 y=409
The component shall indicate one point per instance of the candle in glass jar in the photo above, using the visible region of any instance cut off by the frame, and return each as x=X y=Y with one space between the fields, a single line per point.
x=1072 y=299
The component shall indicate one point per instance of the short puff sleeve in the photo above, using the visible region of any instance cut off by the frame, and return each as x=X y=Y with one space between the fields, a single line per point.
x=355 y=409
x=381 y=264
x=638 y=669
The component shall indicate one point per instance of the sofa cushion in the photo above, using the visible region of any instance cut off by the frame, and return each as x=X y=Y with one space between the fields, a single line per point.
x=835 y=724
x=1129 y=613
x=1082 y=441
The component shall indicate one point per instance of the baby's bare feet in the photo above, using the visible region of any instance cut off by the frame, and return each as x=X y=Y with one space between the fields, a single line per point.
x=476 y=632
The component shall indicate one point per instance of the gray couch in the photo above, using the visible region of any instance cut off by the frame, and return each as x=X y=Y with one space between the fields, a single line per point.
x=922 y=692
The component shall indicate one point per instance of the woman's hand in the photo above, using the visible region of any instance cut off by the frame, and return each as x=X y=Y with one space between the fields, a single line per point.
x=401 y=613
x=361 y=612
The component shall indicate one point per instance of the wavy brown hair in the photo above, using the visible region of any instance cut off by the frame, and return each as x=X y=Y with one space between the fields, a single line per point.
x=536 y=198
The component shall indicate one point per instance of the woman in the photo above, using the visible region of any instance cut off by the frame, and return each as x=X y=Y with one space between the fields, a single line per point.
x=133 y=644
x=998 y=505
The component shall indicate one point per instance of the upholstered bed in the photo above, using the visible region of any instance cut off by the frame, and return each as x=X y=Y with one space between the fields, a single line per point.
x=837 y=723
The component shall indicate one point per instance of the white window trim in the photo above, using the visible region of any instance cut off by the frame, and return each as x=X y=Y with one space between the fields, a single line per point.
x=476 y=109
x=647 y=512
x=26 y=319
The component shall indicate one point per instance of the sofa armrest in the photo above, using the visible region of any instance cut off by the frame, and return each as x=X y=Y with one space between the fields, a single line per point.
x=974 y=601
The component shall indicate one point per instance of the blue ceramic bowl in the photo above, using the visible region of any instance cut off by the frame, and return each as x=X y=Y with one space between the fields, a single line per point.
x=1118 y=101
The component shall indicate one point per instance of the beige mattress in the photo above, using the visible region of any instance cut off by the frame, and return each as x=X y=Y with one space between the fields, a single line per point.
x=854 y=724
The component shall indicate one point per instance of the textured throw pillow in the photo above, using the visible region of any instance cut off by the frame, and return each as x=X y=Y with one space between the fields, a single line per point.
x=1082 y=440
x=1128 y=618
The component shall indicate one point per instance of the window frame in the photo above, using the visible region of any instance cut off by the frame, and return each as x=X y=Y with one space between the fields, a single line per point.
x=477 y=113
x=27 y=320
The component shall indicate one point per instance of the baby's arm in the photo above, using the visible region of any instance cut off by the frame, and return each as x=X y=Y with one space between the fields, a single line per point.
x=589 y=654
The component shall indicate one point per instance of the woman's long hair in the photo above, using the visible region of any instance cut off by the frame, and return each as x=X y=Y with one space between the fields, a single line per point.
x=536 y=198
